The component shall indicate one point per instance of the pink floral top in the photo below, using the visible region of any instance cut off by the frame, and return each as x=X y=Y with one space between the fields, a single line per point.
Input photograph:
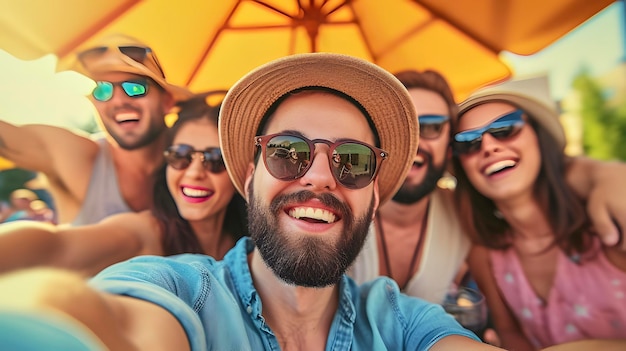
x=586 y=301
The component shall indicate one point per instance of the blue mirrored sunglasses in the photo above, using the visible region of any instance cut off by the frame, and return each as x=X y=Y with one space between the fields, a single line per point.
x=432 y=125
x=133 y=88
x=505 y=127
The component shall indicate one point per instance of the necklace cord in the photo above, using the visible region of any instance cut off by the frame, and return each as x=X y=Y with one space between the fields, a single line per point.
x=416 y=251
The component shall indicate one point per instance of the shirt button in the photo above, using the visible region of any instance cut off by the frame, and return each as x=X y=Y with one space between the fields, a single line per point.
x=249 y=309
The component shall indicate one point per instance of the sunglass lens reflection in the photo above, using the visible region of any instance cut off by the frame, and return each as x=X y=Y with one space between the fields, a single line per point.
x=354 y=165
x=103 y=91
x=431 y=125
x=287 y=157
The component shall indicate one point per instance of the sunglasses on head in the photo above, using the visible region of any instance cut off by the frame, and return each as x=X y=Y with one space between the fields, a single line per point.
x=286 y=156
x=432 y=125
x=505 y=127
x=180 y=156
x=137 y=53
x=133 y=88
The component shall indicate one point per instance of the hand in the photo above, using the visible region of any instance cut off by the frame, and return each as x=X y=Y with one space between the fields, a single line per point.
x=606 y=205
x=601 y=184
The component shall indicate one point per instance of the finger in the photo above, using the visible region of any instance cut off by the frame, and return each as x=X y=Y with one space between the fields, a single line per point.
x=603 y=224
x=491 y=337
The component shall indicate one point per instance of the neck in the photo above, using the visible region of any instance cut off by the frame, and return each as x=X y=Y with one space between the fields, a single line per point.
x=209 y=231
x=404 y=214
x=300 y=317
x=144 y=160
x=526 y=218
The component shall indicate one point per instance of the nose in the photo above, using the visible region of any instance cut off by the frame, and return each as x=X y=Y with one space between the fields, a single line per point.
x=196 y=167
x=319 y=176
x=490 y=144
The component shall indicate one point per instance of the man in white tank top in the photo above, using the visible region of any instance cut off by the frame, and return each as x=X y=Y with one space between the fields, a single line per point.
x=89 y=178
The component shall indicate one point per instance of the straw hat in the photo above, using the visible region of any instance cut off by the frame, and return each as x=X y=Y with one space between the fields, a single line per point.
x=112 y=60
x=534 y=108
x=383 y=97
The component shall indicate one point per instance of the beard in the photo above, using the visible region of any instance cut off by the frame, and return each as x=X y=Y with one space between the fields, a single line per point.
x=308 y=261
x=410 y=194
x=155 y=131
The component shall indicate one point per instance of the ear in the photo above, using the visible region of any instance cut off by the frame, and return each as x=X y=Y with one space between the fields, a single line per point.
x=376 y=198
x=167 y=101
x=249 y=178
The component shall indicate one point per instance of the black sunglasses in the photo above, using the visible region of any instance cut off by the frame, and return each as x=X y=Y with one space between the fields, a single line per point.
x=286 y=156
x=505 y=127
x=133 y=88
x=137 y=53
x=432 y=125
x=180 y=156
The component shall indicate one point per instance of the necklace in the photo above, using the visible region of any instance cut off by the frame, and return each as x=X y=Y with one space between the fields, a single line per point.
x=416 y=251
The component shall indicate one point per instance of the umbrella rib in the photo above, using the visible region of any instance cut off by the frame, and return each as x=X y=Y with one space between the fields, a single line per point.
x=208 y=48
x=99 y=25
x=465 y=31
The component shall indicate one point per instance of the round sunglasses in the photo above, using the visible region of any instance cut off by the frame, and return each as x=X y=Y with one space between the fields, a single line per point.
x=287 y=156
x=133 y=88
x=503 y=128
x=432 y=125
x=180 y=156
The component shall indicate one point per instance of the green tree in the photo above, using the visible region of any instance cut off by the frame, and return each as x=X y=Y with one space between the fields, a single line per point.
x=604 y=127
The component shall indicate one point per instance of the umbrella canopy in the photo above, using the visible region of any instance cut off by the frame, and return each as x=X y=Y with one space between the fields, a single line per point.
x=209 y=44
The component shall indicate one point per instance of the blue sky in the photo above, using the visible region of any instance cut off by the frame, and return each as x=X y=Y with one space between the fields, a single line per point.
x=598 y=45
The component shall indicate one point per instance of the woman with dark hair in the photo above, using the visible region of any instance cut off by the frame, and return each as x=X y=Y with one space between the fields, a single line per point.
x=546 y=277
x=196 y=209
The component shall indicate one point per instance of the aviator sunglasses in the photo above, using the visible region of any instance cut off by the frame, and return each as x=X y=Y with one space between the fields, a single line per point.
x=432 y=125
x=180 y=156
x=137 y=53
x=133 y=88
x=354 y=164
x=502 y=128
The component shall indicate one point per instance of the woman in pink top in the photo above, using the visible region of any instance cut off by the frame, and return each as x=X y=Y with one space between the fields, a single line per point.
x=546 y=277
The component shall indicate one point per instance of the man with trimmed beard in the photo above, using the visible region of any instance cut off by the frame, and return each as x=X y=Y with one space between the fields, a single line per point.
x=93 y=177
x=285 y=287
x=416 y=238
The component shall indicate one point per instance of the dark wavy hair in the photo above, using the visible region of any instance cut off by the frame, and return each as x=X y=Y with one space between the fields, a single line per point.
x=432 y=81
x=178 y=237
x=564 y=210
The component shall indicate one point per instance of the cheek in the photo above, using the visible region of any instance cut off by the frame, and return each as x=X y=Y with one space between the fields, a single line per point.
x=469 y=164
x=172 y=176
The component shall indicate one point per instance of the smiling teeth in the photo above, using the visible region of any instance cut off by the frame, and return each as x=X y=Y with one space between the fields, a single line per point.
x=317 y=213
x=498 y=166
x=127 y=116
x=195 y=192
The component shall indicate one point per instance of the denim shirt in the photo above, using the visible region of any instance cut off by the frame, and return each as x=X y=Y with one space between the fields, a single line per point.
x=219 y=308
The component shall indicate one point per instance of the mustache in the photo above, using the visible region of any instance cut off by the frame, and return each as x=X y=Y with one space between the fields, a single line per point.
x=426 y=155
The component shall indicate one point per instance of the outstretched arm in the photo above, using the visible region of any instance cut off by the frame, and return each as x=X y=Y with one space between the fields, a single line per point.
x=87 y=249
x=121 y=323
x=601 y=183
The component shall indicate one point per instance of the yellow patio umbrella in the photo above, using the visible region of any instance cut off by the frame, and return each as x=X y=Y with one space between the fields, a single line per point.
x=209 y=44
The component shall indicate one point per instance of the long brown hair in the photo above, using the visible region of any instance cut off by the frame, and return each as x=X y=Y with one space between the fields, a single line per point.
x=178 y=237
x=564 y=210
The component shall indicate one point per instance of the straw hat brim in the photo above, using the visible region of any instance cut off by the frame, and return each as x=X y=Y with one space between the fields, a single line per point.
x=384 y=98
